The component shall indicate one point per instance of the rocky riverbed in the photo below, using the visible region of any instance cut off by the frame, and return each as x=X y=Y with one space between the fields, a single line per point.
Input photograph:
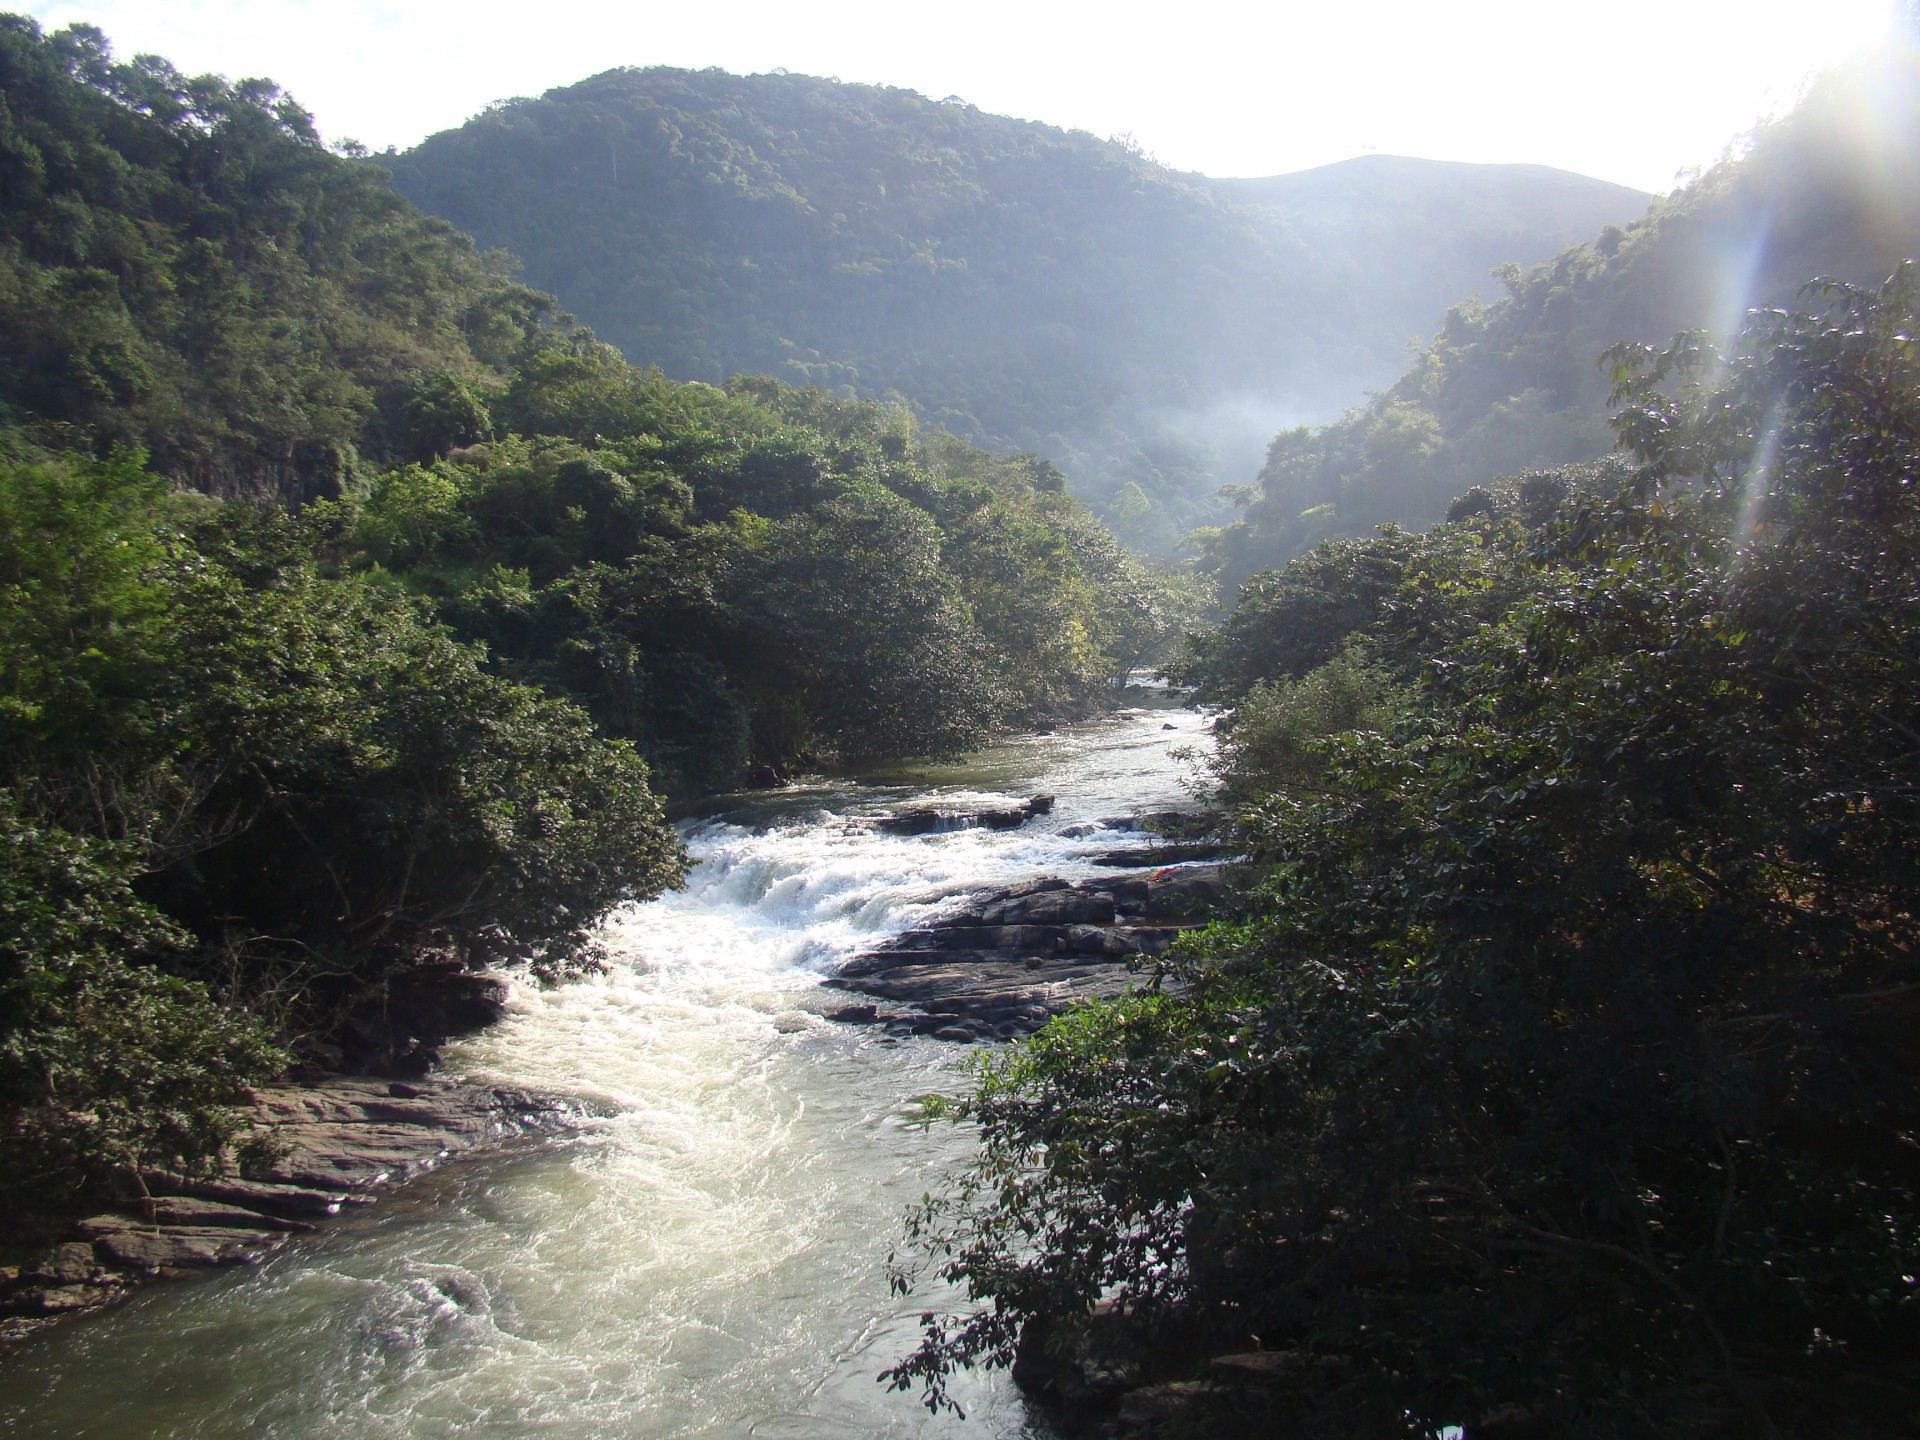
x=1001 y=963
x=335 y=1143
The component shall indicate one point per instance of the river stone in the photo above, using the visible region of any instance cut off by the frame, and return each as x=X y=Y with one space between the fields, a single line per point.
x=186 y=1210
x=62 y=1299
x=68 y=1264
x=1056 y=907
x=350 y=1133
x=1171 y=853
x=1187 y=893
x=161 y=1249
x=291 y=1202
x=1010 y=960
x=1097 y=940
x=999 y=937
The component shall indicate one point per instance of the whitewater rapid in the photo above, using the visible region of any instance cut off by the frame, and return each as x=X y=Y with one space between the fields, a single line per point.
x=708 y=1258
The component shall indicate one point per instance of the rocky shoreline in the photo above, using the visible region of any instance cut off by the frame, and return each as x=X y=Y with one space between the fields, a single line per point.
x=1002 y=963
x=336 y=1143
x=994 y=965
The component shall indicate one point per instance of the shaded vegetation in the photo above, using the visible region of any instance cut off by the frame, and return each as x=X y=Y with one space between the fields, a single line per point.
x=1560 y=1063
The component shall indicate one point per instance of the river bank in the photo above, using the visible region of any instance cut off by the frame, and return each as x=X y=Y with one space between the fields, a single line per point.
x=702 y=1249
x=334 y=1143
x=1000 y=964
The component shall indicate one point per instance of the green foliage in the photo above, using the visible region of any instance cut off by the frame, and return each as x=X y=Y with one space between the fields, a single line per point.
x=1023 y=287
x=304 y=760
x=109 y=1065
x=255 y=776
x=1511 y=386
x=184 y=267
x=741 y=583
x=1275 y=740
x=1563 y=1056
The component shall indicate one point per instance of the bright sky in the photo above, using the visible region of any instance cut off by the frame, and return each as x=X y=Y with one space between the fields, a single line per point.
x=1628 y=90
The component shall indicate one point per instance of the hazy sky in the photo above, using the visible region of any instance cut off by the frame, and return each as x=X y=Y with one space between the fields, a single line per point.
x=1629 y=90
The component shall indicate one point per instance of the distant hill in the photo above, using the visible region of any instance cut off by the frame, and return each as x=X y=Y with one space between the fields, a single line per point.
x=1831 y=190
x=1413 y=236
x=1024 y=286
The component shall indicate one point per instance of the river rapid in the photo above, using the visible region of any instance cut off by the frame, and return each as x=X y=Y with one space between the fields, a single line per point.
x=707 y=1260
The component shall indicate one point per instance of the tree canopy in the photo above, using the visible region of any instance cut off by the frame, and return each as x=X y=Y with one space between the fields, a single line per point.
x=1560 y=1061
x=1024 y=287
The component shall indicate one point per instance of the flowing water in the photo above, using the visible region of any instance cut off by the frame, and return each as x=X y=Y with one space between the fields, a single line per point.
x=709 y=1260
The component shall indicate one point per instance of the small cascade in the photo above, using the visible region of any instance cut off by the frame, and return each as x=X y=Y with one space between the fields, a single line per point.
x=708 y=1261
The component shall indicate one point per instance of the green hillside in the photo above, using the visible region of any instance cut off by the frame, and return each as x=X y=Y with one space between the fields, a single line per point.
x=358 y=610
x=1026 y=287
x=185 y=268
x=1832 y=189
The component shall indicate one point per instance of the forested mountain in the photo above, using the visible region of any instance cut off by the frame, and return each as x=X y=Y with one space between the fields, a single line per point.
x=1025 y=287
x=1831 y=189
x=184 y=267
x=264 y=766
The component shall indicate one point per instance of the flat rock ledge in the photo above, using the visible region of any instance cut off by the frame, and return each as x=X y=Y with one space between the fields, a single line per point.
x=1005 y=962
x=336 y=1144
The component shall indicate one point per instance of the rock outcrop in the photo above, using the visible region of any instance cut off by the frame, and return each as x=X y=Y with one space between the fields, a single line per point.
x=335 y=1143
x=938 y=820
x=1003 y=963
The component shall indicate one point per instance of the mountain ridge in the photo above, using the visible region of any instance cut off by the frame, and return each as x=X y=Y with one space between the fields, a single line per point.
x=1025 y=286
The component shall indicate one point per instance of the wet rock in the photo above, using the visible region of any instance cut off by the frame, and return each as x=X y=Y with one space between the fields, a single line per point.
x=1054 y=907
x=1129 y=893
x=1173 y=853
x=188 y=1210
x=351 y=1133
x=1011 y=959
x=1151 y=939
x=1189 y=894
x=290 y=1202
x=62 y=1299
x=1098 y=940
x=165 y=1249
x=71 y=1263
x=855 y=1014
x=937 y=820
x=337 y=1141
x=1023 y=935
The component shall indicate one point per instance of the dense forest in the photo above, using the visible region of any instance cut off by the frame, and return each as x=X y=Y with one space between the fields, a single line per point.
x=358 y=608
x=1557 y=1074
x=1022 y=286
x=1553 y=1065
x=1832 y=188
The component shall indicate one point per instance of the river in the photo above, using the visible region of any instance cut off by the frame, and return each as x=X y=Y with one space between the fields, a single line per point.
x=707 y=1260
